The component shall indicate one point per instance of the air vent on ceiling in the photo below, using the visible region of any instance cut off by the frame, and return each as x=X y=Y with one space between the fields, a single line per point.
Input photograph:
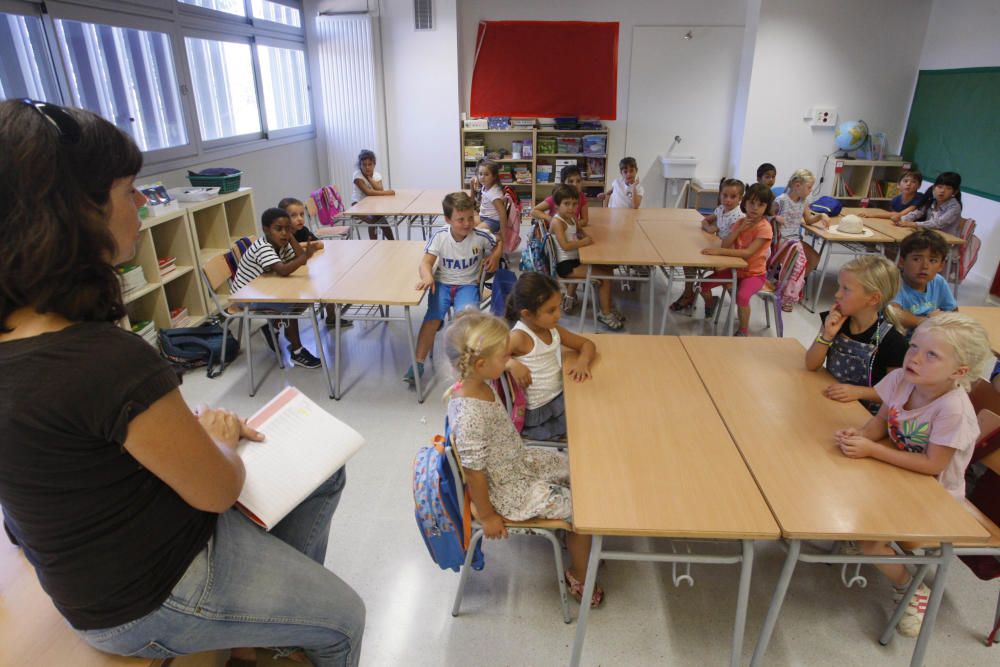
x=423 y=15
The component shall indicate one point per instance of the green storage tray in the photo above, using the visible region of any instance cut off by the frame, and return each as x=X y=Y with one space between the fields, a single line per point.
x=226 y=184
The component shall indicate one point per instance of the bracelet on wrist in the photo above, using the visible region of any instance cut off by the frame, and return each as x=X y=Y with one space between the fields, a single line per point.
x=823 y=341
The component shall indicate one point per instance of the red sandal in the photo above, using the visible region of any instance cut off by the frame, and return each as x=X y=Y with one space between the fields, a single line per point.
x=576 y=590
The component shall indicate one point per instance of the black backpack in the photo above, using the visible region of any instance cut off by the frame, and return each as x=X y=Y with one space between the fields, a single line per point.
x=191 y=347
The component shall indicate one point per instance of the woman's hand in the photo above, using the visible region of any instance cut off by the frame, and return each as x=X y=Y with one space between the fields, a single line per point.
x=225 y=426
x=845 y=393
x=493 y=527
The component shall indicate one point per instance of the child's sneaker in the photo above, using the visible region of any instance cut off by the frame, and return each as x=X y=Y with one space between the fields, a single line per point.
x=610 y=321
x=304 y=358
x=408 y=377
x=913 y=617
x=786 y=306
x=619 y=314
x=741 y=333
x=568 y=303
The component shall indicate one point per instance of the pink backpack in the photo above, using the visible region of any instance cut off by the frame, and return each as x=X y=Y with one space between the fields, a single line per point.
x=329 y=205
x=786 y=270
x=513 y=397
x=512 y=233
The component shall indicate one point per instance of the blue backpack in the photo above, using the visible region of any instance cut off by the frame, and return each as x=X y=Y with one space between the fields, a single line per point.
x=832 y=207
x=533 y=256
x=443 y=512
x=501 y=285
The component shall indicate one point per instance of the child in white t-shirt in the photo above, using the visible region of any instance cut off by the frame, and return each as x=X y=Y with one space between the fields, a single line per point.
x=454 y=258
x=929 y=419
x=366 y=182
x=626 y=191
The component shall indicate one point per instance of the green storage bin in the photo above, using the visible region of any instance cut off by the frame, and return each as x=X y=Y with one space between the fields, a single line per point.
x=226 y=184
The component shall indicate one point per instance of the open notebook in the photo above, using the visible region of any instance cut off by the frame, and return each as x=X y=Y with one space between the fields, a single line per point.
x=304 y=445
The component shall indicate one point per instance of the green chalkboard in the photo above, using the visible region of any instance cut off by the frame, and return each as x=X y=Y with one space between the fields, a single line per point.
x=954 y=125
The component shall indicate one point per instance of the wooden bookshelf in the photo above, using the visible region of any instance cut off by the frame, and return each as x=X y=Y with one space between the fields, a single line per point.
x=495 y=140
x=216 y=224
x=855 y=180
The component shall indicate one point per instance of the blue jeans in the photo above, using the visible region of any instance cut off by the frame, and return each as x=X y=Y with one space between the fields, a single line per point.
x=252 y=588
x=446 y=296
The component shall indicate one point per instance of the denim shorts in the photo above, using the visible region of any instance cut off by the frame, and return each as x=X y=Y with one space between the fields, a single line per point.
x=493 y=224
x=445 y=296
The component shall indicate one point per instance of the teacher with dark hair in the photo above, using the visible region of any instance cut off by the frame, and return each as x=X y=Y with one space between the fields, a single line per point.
x=119 y=494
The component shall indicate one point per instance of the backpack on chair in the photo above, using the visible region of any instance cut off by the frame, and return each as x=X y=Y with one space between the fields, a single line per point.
x=512 y=232
x=786 y=270
x=329 y=205
x=443 y=508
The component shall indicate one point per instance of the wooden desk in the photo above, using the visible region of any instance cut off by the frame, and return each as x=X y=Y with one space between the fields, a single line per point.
x=989 y=317
x=848 y=244
x=649 y=456
x=309 y=283
x=385 y=204
x=679 y=243
x=617 y=241
x=670 y=214
x=814 y=491
x=611 y=216
x=385 y=276
x=32 y=631
x=893 y=231
x=428 y=202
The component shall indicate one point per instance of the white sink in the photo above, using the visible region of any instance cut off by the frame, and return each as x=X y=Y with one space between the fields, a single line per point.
x=678 y=166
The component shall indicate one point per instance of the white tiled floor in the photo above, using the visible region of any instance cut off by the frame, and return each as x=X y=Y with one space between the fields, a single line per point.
x=510 y=615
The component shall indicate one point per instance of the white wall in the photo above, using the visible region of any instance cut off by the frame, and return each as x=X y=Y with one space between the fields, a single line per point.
x=964 y=33
x=628 y=13
x=858 y=56
x=288 y=170
x=421 y=96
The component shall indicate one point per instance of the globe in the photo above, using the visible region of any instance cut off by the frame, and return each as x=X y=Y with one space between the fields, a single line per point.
x=850 y=136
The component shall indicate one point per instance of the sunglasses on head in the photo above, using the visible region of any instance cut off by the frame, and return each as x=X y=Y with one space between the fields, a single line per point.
x=56 y=116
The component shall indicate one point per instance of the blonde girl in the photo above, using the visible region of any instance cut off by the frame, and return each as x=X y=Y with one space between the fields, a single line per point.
x=793 y=212
x=930 y=422
x=366 y=182
x=507 y=481
x=860 y=340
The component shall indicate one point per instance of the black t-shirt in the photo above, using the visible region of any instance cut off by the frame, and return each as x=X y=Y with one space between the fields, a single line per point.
x=304 y=235
x=889 y=353
x=108 y=539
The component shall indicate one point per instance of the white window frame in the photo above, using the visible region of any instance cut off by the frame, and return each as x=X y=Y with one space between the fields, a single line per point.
x=300 y=130
x=178 y=21
x=123 y=19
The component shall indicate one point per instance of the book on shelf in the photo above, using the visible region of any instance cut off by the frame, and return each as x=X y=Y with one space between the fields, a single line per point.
x=470 y=173
x=891 y=189
x=522 y=175
x=167 y=265
x=506 y=175
x=179 y=317
x=146 y=330
x=546 y=145
x=131 y=277
x=522 y=123
x=595 y=168
x=568 y=145
x=304 y=445
x=526 y=149
x=473 y=152
x=543 y=173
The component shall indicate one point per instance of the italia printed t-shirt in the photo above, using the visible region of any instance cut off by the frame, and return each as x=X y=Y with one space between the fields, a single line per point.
x=459 y=260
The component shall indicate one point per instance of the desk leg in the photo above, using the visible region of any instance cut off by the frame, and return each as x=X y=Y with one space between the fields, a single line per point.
x=666 y=303
x=247 y=328
x=732 y=305
x=652 y=302
x=777 y=599
x=588 y=592
x=322 y=351
x=336 y=348
x=586 y=297
x=818 y=288
x=418 y=380
x=742 y=602
x=937 y=593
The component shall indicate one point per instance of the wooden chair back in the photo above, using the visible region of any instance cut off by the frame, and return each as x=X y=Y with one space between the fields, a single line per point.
x=217 y=271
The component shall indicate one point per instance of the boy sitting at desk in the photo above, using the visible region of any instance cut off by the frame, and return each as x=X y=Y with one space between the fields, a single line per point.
x=924 y=292
x=454 y=258
x=277 y=251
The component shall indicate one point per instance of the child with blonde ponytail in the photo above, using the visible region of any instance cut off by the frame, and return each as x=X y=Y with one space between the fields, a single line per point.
x=860 y=339
x=507 y=481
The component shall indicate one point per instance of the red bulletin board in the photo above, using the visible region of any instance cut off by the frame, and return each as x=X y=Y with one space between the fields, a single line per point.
x=545 y=68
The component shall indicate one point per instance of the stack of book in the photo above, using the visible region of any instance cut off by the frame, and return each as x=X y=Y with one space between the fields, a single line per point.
x=167 y=265
x=146 y=329
x=522 y=123
x=475 y=148
x=522 y=175
x=506 y=175
x=569 y=145
x=131 y=277
x=543 y=173
x=179 y=317
x=470 y=173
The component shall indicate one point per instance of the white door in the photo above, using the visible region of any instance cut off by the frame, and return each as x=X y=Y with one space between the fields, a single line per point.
x=681 y=87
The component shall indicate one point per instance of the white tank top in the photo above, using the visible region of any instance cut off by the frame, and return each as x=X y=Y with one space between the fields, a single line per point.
x=545 y=363
x=563 y=255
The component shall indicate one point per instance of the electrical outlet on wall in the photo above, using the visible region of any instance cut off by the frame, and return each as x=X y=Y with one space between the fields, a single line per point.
x=823 y=117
